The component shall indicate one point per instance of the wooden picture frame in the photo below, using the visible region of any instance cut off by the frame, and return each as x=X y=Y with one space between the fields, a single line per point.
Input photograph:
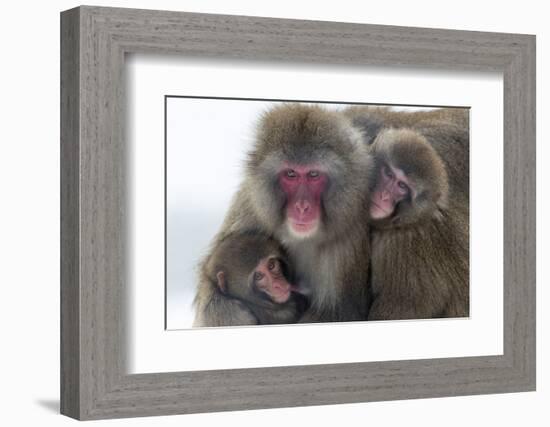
x=94 y=41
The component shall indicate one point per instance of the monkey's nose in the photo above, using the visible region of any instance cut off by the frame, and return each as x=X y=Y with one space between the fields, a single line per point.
x=385 y=195
x=302 y=206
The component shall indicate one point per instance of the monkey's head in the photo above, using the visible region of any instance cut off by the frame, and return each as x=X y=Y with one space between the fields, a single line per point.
x=253 y=268
x=411 y=180
x=306 y=173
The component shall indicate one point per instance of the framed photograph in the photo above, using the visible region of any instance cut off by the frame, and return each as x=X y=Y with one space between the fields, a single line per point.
x=261 y=213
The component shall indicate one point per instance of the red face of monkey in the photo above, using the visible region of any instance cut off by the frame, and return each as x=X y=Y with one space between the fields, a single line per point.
x=303 y=186
x=268 y=278
x=392 y=187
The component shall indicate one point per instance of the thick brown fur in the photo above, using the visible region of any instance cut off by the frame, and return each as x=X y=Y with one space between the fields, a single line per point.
x=420 y=258
x=408 y=151
x=236 y=256
x=446 y=130
x=332 y=266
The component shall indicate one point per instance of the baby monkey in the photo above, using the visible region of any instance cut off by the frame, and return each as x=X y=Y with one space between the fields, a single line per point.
x=250 y=271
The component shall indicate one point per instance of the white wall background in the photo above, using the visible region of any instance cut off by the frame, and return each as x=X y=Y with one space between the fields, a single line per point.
x=29 y=218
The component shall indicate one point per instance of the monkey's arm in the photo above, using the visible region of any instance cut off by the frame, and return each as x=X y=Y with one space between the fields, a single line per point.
x=421 y=273
x=395 y=306
x=352 y=306
x=412 y=292
x=222 y=311
x=434 y=297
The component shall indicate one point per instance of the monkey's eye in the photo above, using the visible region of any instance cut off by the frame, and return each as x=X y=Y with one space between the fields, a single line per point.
x=403 y=186
x=272 y=263
x=313 y=174
x=388 y=172
x=290 y=174
x=258 y=276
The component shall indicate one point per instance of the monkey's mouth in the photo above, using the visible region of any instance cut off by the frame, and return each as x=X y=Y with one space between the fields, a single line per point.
x=378 y=212
x=303 y=228
x=280 y=296
x=306 y=226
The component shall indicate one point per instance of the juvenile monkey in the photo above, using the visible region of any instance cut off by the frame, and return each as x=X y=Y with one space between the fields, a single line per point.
x=411 y=180
x=419 y=210
x=250 y=273
x=445 y=129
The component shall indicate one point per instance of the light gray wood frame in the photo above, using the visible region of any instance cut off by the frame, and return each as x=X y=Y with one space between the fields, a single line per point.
x=94 y=41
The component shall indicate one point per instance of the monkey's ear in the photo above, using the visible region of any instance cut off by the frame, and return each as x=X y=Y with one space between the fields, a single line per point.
x=222 y=284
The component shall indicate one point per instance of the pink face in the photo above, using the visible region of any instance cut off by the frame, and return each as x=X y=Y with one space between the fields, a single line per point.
x=392 y=186
x=268 y=277
x=303 y=186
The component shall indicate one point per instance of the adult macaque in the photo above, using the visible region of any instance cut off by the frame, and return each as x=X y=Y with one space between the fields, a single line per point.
x=305 y=185
x=419 y=212
x=249 y=273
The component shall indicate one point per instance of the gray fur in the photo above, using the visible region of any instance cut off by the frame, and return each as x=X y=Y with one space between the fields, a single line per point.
x=332 y=266
x=237 y=255
x=420 y=259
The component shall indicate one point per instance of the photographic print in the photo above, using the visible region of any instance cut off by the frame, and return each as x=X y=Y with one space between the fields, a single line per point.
x=288 y=211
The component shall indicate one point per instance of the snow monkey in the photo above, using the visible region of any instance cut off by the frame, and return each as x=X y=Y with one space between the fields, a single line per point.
x=305 y=185
x=250 y=272
x=419 y=212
